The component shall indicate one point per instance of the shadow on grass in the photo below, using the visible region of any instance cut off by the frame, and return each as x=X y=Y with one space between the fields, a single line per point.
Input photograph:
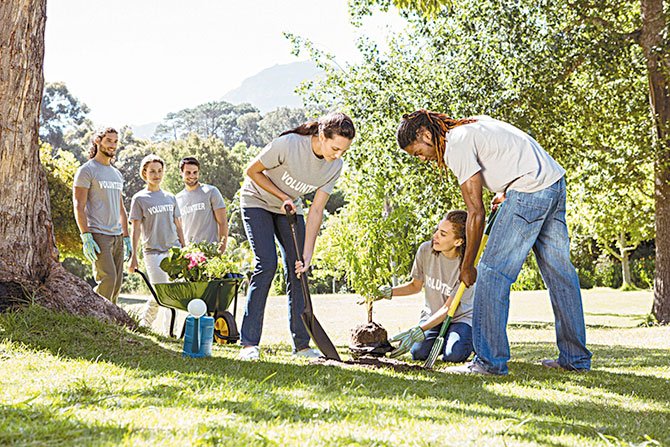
x=265 y=390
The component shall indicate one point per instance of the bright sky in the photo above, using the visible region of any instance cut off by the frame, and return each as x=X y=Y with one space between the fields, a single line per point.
x=133 y=61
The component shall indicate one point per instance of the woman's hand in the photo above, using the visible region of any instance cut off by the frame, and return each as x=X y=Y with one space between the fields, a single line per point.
x=301 y=267
x=133 y=264
x=290 y=203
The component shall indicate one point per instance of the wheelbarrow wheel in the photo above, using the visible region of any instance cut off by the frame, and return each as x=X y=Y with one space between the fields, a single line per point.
x=225 y=329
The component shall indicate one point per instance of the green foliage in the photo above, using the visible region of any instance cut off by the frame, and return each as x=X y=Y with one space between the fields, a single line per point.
x=63 y=119
x=202 y=261
x=223 y=120
x=529 y=277
x=531 y=64
x=60 y=168
x=219 y=166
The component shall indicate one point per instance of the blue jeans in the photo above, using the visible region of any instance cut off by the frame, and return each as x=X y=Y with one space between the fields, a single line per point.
x=528 y=221
x=262 y=227
x=457 y=343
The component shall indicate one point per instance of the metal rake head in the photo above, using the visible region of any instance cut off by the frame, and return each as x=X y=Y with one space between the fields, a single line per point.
x=434 y=353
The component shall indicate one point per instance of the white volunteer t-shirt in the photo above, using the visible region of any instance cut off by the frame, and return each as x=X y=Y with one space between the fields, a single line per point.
x=507 y=157
x=103 y=204
x=440 y=281
x=294 y=168
x=157 y=211
x=197 y=213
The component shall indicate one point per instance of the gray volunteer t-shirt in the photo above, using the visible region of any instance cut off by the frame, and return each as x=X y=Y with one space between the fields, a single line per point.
x=157 y=210
x=507 y=157
x=440 y=281
x=294 y=169
x=103 y=206
x=197 y=213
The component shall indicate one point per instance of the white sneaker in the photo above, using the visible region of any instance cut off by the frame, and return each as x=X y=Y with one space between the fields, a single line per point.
x=249 y=353
x=308 y=353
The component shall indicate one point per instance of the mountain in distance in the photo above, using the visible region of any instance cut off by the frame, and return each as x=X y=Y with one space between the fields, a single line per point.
x=274 y=87
x=267 y=90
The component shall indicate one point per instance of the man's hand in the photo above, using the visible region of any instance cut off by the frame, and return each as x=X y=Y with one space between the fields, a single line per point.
x=90 y=248
x=497 y=200
x=468 y=275
x=407 y=340
x=127 y=248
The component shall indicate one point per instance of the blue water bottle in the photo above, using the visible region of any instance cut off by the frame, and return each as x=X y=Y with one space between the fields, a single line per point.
x=199 y=331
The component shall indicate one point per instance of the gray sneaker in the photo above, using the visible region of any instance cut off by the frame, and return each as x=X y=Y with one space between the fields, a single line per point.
x=553 y=364
x=308 y=353
x=469 y=368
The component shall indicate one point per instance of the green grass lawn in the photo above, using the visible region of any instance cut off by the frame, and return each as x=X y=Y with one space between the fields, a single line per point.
x=66 y=380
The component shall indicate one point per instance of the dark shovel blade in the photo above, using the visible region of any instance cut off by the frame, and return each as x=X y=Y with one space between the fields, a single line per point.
x=319 y=336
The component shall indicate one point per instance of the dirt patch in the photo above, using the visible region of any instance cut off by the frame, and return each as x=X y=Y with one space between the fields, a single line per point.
x=373 y=362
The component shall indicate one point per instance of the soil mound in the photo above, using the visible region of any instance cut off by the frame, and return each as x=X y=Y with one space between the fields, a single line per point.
x=369 y=339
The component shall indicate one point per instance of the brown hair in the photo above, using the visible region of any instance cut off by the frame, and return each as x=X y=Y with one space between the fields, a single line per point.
x=334 y=123
x=149 y=159
x=99 y=135
x=438 y=124
x=188 y=161
x=458 y=220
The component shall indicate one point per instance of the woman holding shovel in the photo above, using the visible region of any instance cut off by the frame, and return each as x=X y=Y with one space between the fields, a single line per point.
x=485 y=152
x=436 y=269
x=300 y=161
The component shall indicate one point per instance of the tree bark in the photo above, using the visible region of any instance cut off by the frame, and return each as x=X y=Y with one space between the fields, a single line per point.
x=654 y=27
x=624 y=253
x=28 y=256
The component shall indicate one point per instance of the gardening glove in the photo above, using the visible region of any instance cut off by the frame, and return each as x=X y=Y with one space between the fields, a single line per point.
x=127 y=248
x=90 y=248
x=385 y=293
x=407 y=339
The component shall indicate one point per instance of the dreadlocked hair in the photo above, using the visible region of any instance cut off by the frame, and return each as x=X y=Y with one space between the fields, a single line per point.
x=99 y=135
x=332 y=124
x=438 y=124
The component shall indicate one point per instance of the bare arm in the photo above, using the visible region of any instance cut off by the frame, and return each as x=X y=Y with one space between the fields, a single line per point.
x=180 y=231
x=124 y=219
x=255 y=172
x=439 y=316
x=80 y=197
x=409 y=288
x=135 y=241
x=472 y=194
x=222 y=224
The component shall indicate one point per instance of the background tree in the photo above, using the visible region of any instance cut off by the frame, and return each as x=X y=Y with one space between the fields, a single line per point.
x=28 y=255
x=213 y=119
x=63 y=119
x=611 y=26
x=278 y=121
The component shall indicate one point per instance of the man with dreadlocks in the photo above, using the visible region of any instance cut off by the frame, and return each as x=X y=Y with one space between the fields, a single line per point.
x=530 y=190
x=100 y=214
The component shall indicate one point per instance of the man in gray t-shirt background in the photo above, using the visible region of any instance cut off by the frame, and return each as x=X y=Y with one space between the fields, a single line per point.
x=203 y=211
x=100 y=214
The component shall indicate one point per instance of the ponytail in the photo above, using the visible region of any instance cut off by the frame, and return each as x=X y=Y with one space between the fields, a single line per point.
x=332 y=124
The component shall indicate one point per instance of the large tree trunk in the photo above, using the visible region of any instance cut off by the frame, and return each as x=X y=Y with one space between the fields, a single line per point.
x=654 y=27
x=28 y=257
